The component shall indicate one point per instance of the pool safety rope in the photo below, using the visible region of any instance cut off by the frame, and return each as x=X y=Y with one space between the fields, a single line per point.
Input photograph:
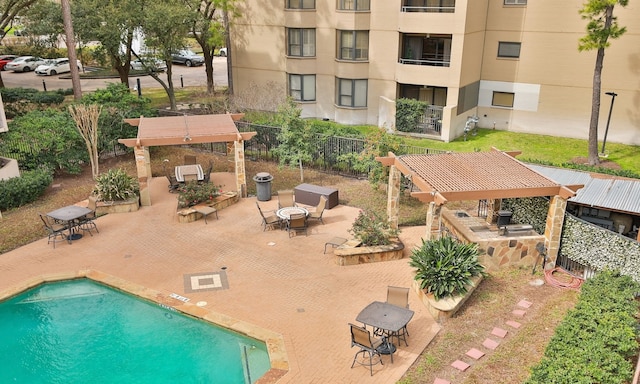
x=566 y=280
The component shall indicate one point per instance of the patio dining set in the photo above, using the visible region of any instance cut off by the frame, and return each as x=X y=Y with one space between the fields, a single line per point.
x=389 y=321
x=187 y=172
x=289 y=216
x=70 y=222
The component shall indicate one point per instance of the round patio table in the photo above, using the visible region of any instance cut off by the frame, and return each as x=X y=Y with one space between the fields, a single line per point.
x=285 y=213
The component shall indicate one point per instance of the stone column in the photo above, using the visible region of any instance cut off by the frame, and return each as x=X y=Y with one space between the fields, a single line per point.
x=143 y=166
x=393 y=196
x=553 y=229
x=493 y=206
x=241 y=177
x=431 y=216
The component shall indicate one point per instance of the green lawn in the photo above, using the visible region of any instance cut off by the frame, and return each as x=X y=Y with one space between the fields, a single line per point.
x=553 y=149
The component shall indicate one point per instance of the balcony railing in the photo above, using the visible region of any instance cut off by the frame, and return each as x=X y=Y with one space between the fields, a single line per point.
x=429 y=9
x=435 y=62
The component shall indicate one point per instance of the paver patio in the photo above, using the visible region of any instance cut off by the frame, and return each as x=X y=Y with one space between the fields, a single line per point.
x=286 y=285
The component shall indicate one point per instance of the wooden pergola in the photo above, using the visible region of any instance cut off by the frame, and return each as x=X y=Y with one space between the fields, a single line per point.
x=489 y=176
x=180 y=130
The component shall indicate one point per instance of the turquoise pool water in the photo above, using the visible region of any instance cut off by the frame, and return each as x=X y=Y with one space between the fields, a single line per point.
x=83 y=332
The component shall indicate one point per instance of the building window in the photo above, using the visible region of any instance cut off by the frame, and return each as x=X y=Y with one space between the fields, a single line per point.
x=353 y=45
x=502 y=99
x=507 y=49
x=515 y=2
x=302 y=42
x=302 y=87
x=301 y=4
x=351 y=93
x=354 y=5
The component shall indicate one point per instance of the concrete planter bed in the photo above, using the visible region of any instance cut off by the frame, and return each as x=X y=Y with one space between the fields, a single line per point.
x=347 y=254
x=130 y=205
x=8 y=168
x=188 y=215
x=444 y=308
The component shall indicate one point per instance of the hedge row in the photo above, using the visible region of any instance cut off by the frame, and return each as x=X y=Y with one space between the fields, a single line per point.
x=18 y=191
x=597 y=340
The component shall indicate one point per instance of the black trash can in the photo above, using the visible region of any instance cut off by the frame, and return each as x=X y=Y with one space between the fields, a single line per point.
x=504 y=218
x=263 y=186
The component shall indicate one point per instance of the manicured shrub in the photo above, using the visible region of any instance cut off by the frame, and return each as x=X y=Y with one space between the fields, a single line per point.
x=19 y=101
x=408 y=114
x=193 y=193
x=597 y=340
x=45 y=138
x=18 y=191
x=372 y=229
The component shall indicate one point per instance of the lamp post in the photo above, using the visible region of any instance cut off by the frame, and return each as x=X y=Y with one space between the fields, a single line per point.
x=606 y=130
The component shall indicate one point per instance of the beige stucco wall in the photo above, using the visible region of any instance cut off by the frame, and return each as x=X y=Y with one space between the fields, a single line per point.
x=548 y=30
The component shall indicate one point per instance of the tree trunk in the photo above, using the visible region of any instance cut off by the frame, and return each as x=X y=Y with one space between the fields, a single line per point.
x=595 y=109
x=71 y=50
x=208 y=69
x=594 y=159
x=169 y=89
x=229 y=61
x=301 y=171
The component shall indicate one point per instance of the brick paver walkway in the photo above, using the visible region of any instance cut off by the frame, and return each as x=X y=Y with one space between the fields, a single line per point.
x=286 y=285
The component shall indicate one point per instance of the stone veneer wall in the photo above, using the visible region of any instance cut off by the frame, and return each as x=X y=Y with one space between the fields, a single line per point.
x=188 y=215
x=499 y=252
x=347 y=255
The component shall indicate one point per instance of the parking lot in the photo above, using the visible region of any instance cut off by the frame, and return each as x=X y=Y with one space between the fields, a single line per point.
x=182 y=76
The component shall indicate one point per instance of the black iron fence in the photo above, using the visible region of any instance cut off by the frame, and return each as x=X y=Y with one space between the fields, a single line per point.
x=329 y=150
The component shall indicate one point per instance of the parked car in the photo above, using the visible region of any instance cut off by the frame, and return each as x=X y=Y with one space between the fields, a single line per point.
x=24 y=64
x=187 y=57
x=223 y=52
x=151 y=65
x=56 y=66
x=4 y=59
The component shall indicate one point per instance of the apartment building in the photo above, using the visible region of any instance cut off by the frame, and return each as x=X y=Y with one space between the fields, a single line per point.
x=513 y=64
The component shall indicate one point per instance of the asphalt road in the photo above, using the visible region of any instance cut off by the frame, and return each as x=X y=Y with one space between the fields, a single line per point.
x=182 y=76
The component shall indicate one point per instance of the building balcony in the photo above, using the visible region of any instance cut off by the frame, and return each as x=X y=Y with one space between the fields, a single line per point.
x=437 y=76
x=429 y=6
x=433 y=61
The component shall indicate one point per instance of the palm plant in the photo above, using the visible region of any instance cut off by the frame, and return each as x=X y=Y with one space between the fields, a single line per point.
x=445 y=267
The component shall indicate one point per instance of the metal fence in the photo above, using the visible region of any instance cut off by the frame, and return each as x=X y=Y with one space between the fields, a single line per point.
x=329 y=150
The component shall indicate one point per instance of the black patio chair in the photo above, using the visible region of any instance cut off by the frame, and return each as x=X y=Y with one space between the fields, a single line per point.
x=207 y=172
x=173 y=182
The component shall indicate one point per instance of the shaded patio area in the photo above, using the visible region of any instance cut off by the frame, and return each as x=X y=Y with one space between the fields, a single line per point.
x=281 y=284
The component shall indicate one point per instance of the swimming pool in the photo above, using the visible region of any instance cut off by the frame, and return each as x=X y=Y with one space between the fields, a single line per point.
x=83 y=331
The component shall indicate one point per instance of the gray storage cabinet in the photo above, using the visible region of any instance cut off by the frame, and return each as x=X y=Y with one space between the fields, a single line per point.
x=309 y=194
